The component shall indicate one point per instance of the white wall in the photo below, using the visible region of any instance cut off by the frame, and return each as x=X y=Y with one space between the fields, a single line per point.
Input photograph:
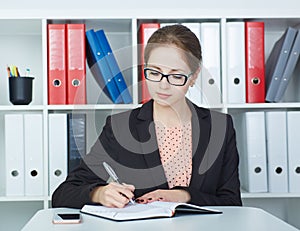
x=138 y=4
x=148 y=9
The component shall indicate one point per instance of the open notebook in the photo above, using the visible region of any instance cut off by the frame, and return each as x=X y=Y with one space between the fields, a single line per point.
x=143 y=211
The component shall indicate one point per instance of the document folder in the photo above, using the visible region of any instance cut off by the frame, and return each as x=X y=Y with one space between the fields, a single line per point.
x=250 y=127
x=255 y=62
x=293 y=133
x=14 y=155
x=34 y=157
x=114 y=67
x=58 y=150
x=236 y=88
x=276 y=132
x=57 y=72
x=76 y=71
x=99 y=68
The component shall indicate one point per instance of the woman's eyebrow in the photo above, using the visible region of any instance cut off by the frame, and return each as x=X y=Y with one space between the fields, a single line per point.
x=159 y=69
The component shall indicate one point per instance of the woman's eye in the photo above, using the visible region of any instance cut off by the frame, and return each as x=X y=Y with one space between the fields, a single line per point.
x=177 y=76
x=154 y=73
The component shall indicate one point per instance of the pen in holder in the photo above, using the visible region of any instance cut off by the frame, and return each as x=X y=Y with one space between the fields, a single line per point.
x=20 y=90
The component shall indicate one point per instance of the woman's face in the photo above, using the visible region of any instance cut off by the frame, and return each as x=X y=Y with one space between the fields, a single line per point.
x=168 y=59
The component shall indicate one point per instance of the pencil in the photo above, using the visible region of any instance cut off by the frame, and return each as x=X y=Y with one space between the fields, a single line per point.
x=8 y=71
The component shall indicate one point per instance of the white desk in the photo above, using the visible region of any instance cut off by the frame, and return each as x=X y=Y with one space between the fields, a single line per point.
x=232 y=219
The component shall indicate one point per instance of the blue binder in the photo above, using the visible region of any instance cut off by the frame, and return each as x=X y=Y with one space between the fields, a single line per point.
x=99 y=68
x=114 y=67
x=76 y=139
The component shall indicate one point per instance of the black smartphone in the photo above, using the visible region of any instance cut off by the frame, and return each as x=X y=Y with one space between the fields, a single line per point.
x=66 y=218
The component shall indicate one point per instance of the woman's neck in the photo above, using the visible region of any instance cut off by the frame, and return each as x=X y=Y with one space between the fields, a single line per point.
x=171 y=116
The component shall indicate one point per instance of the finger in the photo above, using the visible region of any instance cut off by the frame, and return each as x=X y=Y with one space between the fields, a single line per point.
x=125 y=190
x=115 y=203
x=123 y=186
x=118 y=200
x=112 y=196
x=129 y=186
x=126 y=193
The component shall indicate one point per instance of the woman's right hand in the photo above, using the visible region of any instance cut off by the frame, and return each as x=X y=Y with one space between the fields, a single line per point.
x=113 y=195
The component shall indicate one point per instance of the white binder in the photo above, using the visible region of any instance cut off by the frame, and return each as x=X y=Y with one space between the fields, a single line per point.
x=14 y=154
x=58 y=150
x=194 y=93
x=293 y=130
x=235 y=42
x=34 y=171
x=277 y=151
x=211 y=82
x=250 y=134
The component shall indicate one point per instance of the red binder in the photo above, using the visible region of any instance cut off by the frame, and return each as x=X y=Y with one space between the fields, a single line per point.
x=76 y=70
x=56 y=64
x=255 y=62
x=146 y=30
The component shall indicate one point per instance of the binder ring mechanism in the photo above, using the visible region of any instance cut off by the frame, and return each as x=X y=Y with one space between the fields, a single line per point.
x=255 y=80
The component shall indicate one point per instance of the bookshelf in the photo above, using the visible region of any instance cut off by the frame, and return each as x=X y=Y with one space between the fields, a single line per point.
x=23 y=42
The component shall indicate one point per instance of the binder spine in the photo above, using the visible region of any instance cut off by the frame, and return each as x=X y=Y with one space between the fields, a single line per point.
x=57 y=64
x=100 y=69
x=76 y=70
x=255 y=62
x=236 y=89
x=76 y=140
x=114 y=67
x=145 y=32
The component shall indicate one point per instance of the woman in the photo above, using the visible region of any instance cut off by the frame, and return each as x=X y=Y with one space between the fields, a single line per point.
x=169 y=149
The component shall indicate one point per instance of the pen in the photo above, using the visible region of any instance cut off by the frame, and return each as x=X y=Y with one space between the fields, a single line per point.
x=113 y=175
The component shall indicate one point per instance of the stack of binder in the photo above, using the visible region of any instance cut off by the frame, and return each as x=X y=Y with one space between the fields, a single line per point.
x=24 y=172
x=245 y=62
x=104 y=67
x=251 y=144
x=268 y=146
x=66 y=64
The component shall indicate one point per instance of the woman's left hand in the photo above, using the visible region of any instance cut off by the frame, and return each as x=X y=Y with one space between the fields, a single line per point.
x=174 y=195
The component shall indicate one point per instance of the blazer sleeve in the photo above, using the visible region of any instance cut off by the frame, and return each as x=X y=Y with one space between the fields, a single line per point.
x=74 y=192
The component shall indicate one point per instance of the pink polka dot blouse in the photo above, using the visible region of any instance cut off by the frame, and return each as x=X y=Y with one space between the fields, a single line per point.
x=175 y=148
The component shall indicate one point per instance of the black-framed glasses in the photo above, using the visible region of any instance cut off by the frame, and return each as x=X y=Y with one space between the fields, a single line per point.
x=173 y=79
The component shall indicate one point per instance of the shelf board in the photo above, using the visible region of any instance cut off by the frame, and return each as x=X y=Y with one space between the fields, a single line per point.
x=92 y=107
x=22 y=107
x=246 y=195
x=21 y=198
x=263 y=105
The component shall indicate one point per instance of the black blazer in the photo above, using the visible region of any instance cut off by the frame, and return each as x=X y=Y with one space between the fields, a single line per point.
x=128 y=143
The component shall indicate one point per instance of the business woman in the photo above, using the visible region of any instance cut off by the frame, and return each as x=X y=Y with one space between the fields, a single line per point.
x=168 y=149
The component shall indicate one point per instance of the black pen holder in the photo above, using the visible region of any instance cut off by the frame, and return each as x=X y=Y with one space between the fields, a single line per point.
x=20 y=90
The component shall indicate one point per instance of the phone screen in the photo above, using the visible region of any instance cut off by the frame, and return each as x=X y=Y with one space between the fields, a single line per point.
x=66 y=218
x=73 y=216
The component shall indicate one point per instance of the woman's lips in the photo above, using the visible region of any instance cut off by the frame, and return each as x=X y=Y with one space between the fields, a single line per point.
x=162 y=95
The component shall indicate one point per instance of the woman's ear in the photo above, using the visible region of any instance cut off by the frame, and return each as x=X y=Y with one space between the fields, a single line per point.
x=194 y=77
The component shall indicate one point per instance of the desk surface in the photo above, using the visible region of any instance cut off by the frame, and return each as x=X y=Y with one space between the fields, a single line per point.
x=233 y=219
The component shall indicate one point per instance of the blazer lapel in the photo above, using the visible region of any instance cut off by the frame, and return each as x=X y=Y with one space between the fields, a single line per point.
x=148 y=141
x=200 y=139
